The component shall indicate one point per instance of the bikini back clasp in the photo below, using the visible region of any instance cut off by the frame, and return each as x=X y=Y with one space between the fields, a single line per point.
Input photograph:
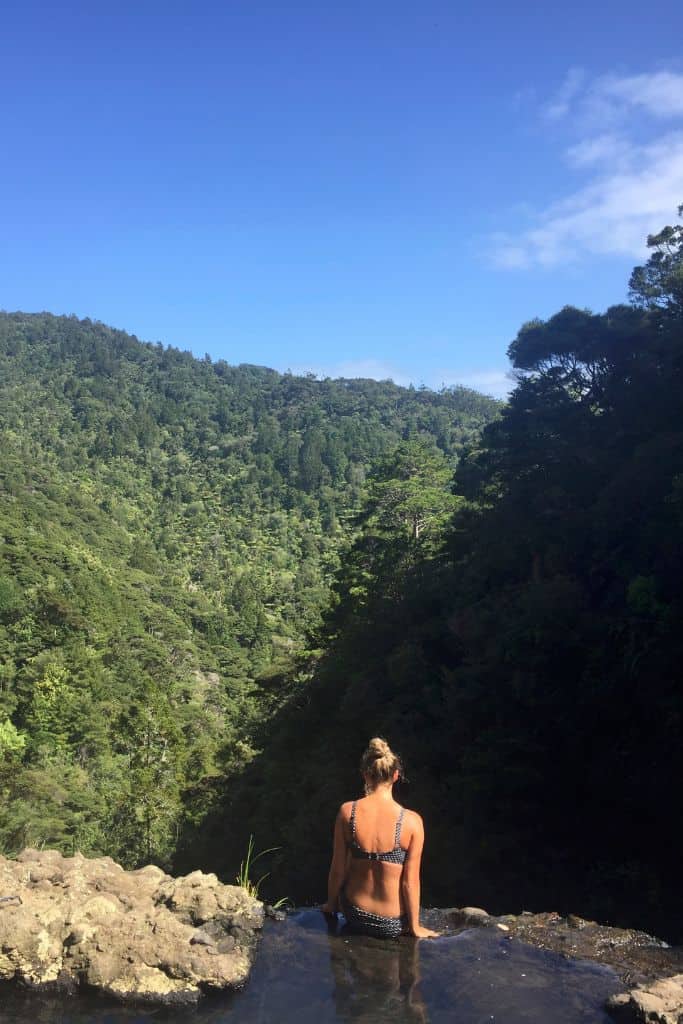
x=395 y=856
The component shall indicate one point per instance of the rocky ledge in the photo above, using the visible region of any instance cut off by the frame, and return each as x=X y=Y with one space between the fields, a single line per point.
x=649 y=968
x=72 y=923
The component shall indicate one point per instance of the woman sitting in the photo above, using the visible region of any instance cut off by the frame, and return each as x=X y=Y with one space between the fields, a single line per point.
x=375 y=872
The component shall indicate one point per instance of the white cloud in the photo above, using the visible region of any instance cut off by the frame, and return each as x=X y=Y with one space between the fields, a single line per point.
x=611 y=215
x=561 y=103
x=660 y=93
x=635 y=186
x=612 y=98
x=493 y=381
x=600 y=149
x=374 y=369
x=496 y=382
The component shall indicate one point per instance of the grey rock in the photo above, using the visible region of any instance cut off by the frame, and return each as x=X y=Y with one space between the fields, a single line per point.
x=468 y=917
x=137 y=935
x=275 y=915
x=658 y=1002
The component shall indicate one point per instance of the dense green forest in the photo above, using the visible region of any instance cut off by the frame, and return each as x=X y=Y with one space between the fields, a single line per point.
x=526 y=661
x=217 y=582
x=170 y=530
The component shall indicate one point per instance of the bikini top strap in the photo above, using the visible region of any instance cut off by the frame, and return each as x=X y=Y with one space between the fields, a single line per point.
x=397 y=833
x=353 y=820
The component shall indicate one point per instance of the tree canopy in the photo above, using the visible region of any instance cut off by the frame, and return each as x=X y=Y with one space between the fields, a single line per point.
x=527 y=666
x=171 y=533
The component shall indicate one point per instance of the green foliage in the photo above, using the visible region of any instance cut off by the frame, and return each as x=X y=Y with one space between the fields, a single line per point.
x=243 y=877
x=12 y=742
x=659 y=284
x=526 y=662
x=170 y=532
x=410 y=490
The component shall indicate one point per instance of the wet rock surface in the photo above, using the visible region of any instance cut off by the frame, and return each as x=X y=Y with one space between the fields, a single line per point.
x=646 y=965
x=73 y=923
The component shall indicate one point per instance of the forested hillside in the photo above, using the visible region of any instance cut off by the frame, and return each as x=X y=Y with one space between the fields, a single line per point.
x=529 y=667
x=170 y=529
x=217 y=582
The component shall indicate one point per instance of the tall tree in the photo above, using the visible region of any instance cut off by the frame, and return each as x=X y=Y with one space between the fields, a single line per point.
x=659 y=284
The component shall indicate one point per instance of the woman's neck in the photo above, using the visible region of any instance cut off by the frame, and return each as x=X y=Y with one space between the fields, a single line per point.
x=381 y=792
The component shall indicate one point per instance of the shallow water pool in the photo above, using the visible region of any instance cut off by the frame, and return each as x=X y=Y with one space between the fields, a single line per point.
x=307 y=972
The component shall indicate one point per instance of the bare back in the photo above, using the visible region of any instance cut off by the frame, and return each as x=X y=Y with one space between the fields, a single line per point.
x=372 y=826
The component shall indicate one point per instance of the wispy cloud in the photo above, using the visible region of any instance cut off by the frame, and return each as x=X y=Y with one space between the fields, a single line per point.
x=497 y=382
x=494 y=381
x=601 y=149
x=374 y=369
x=618 y=134
x=607 y=99
x=660 y=93
x=561 y=102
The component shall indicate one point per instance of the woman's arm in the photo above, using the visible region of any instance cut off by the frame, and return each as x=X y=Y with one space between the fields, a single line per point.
x=337 y=867
x=410 y=880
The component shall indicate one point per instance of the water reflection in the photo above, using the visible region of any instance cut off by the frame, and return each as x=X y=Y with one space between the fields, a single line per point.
x=376 y=980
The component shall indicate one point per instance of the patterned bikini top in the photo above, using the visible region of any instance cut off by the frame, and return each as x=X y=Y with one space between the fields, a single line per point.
x=395 y=856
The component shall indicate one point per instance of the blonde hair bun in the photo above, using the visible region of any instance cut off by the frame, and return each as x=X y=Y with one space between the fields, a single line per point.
x=379 y=747
x=378 y=764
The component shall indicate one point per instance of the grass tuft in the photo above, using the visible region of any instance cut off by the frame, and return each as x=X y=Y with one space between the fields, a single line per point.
x=243 y=876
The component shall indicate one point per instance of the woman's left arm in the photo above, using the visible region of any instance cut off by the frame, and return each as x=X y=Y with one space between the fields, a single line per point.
x=337 y=873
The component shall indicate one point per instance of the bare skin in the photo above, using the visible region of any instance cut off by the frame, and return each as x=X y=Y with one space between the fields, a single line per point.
x=377 y=886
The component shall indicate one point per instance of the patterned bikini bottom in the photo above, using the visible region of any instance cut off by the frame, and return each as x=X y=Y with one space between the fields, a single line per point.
x=367 y=923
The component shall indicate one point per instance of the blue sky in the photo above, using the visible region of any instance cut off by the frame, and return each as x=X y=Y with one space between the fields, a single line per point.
x=359 y=189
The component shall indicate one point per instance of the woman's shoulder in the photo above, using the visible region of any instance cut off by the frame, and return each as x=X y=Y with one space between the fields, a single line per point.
x=411 y=819
x=345 y=810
